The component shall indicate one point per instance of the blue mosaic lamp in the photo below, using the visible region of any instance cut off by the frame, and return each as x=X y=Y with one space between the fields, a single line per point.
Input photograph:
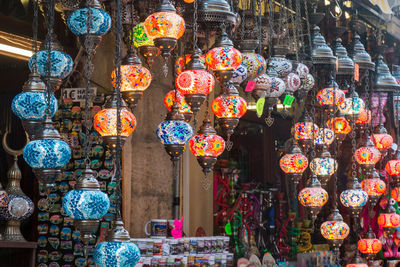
x=118 y=250
x=354 y=198
x=60 y=63
x=86 y=204
x=47 y=154
x=100 y=23
x=174 y=133
x=31 y=104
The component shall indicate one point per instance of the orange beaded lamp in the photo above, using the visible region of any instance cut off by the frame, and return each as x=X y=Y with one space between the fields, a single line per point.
x=331 y=97
x=374 y=187
x=364 y=119
x=305 y=131
x=382 y=140
x=369 y=245
x=367 y=156
x=389 y=220
x=294 y=163
x=313 y=197
x=335 y=230
x=184 y=108
x=340 y=126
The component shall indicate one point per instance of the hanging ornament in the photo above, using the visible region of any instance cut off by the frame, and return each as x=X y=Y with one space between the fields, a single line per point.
x=331 y=97
x=86 y=204
x=354 y=198
x=363 y=119
x=374 y=187
x=335 y=230
x=142 y=41
x=294 y=163
x=313 y=197
x=340 y=126
x=305 y=131
x=321 y=53
x=395 y=194
x=174 y=133
x=367 y=156
x=174 y=96
x=165 y=27
x=369 y=245
x=255 y=64
x=352 y=107
x=345 y=65
x=357 y=261
x=182 y=62
x=325 y=137
x=393 y=169
x=389 y=220
x=359 y=55
x=206 y=146
x=324 y=167
x=239 y=75
x=382 y=140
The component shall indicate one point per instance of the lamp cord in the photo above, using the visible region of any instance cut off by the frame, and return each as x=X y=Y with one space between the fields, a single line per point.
x=49 y=25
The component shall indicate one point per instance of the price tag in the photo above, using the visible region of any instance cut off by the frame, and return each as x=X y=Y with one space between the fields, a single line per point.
x=260 y=106
x=288 y=101
x=356 y=73
x=250 y=86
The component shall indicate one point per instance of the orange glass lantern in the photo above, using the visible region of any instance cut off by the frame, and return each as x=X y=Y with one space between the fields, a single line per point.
x=184 y=108
x=331 y=98
x=367 y=156
x=183 y=61
x=223 y=58
x=389 y=220
x=393 y=169
x=335 y=230
x=374 y=187
x=313 y=197
x=369 y=245
x=382 y=140
x=395 y=194
x=294 y=163
x=352 y=107
x=340 y=126
x=324 y=166
x=305 y=131
x=364 y=119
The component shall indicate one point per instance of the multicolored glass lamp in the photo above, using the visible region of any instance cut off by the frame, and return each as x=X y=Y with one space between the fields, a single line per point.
x=182 y=62
x=174 y=96
x=335 y=230
x=369 y=245
x=367 y=156
x=395 y=194
x=331 y=97
x=100 y=23
x=144 y=43
x=206 y=146
x=294 y=163
x=195 y=83
x=255 y=63
x=357 y=261
x=364 y=119
x=135 y=78
x=86 y=204
x=340 y=126
x=374 y=187
x=354 y=198
x=352 y=107
x=324 y=166
x=382 y=140
x=31 y=104
x=325 y=137
x=305 y=131
x=105 y=122
x=47 y=154
x=389 y=220
x=239 y=75
x=393 y=169
x=313 y=197
x=174 y=133
x=165 y=27
x=118 y=250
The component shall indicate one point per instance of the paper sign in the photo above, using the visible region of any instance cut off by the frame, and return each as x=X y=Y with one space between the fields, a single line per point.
x=260 y=106
x=288 y=101
x=250 y=86
x=78 y=94
x=356 y=73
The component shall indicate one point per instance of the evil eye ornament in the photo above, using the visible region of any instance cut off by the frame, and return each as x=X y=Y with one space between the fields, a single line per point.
x=60 y=63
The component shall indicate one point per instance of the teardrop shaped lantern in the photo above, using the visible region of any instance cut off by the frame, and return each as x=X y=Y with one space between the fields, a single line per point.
x=374 y=187
x=354 y=198
x=313 y=197
x=174 y=96
x=324 y=166
x=335 y=230
x=294 y=163
x=369 y=245
x=206 y=146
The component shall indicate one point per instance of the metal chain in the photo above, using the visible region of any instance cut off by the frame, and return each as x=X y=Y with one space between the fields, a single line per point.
x=242 y=29
x=308 y=25
x=294 y=29
x=271 y=27
x=353 y=132
x=313 y=115
x=49 y=25
x=35 y=33
x=285 y=21
x=299 y=28
x=368 y=102
x=259 y=27
x=195 y=27
x=397 y=118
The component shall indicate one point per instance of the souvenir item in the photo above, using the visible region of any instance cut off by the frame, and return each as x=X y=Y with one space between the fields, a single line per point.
x=158 y=228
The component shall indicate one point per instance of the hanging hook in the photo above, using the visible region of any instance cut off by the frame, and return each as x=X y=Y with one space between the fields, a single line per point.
x=339 y=13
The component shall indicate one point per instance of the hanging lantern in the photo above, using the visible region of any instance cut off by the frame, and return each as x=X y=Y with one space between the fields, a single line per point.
x=384 y=79
x=307 y=84
x=60 y=63
x=359 y=55
x=195 y=83
x=4 y=197
x=135 y=79
x=239 y=75
x=335 y=230
x=255 y=63
x=352 y=107
x=369 y=245
x=374 y=187
x=86 y=204
x=324 y=167
x=31 y=105
x=100 y=23
x=331 y=97
x=363 y=119
x=302 y=70
x=118 y=250
x=354 y=198
x=280 y=65
x=183 y=61
x=321 y=53
x=345 y=65
x=224 y=57
x=325 y=137
x=305 y=131
x=367 y=156
x=389 y=220
x=313 y=197
x=382 y=140
x=144 y=43
x=174 y=133
x=184 y=108
x=165 y=27
x=292 y=83
x=357 y=262
x=294 y=163
x=47 y=154
x=105 y=123
x=393 y=169
x=206 y=146
x=395 y=194
x=340 y=126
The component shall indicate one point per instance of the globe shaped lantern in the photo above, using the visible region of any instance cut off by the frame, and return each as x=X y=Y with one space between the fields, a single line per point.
x=325 y=137
x=182 y=62
x=135 y=79
x=195 y=83
x=255 y=63
x=47 y=154
x=374 y=187
x=331 y=97
x=292 y=83
x=31 y=105
x=367 y=156
x=395 y=194
x=313 y=197
x=393 y=169
x=352 y=107
x=239 y=75
x=184 y=107
x=165 y=27
x=389 y=220
x=105 y=122
x=86 y=204
x=307 y=84
x=294 y=163
x=174 y=133
x=340 y=126
x=363 y=119
x=60 y=63
x=118 y=250
x=144 y=43
x=335 y=230
x=206 y=146
x=99 y=24
x=302 y=70
x=324 y=166
x=382 y=140
x=280 y=65
x=369 y=245
x=354 y=198
x=305 y=131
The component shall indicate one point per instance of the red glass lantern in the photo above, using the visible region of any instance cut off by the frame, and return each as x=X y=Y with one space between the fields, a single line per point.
x=335 y=230
x=393 y=167
x=374 y=187
x=223 y=58
x=395 y=194
x=183 y=61
x=331 y=97
x=364 y=119
x=294 y=163
x=184 y=108
x=313 y=197
x=382 y=140
x=367 y=156
x=389 y=221
x=340 y=126
x=369 y=245
x=305 y=131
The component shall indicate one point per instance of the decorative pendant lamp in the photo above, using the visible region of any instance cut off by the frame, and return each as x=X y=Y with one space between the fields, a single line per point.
x=340 y=126
x=144 y=43
x=195 y=83
x=331 y=97
x=367 y=156
x=165 y=27
x=118 y=250
x=354 y=198
x=321 y=53
x=395 y=194
x=31 y=105
x=255 y=63
x=86 y=204
x=292 y=83
x=369 y=245
x=393 y=169
x=384 y=79
x=335 y=230
x=389 y=220
x=307 y=80
x=239 y=75
x=325 y=137
x=359 y=55
x=174 y=133
x=99 y=24
x=374 y=187
x=174 y=96
x=182 y=62
x=324 y=167
x=47 y=154
x=105 y=121
x=352 y=107
x=382 y=140
x=294 y=163
x=345 y=65
x=364 y=119
x=305 y=131
x=206 y=146
x=313 y=197
x=281 y=65
x=135 y=78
